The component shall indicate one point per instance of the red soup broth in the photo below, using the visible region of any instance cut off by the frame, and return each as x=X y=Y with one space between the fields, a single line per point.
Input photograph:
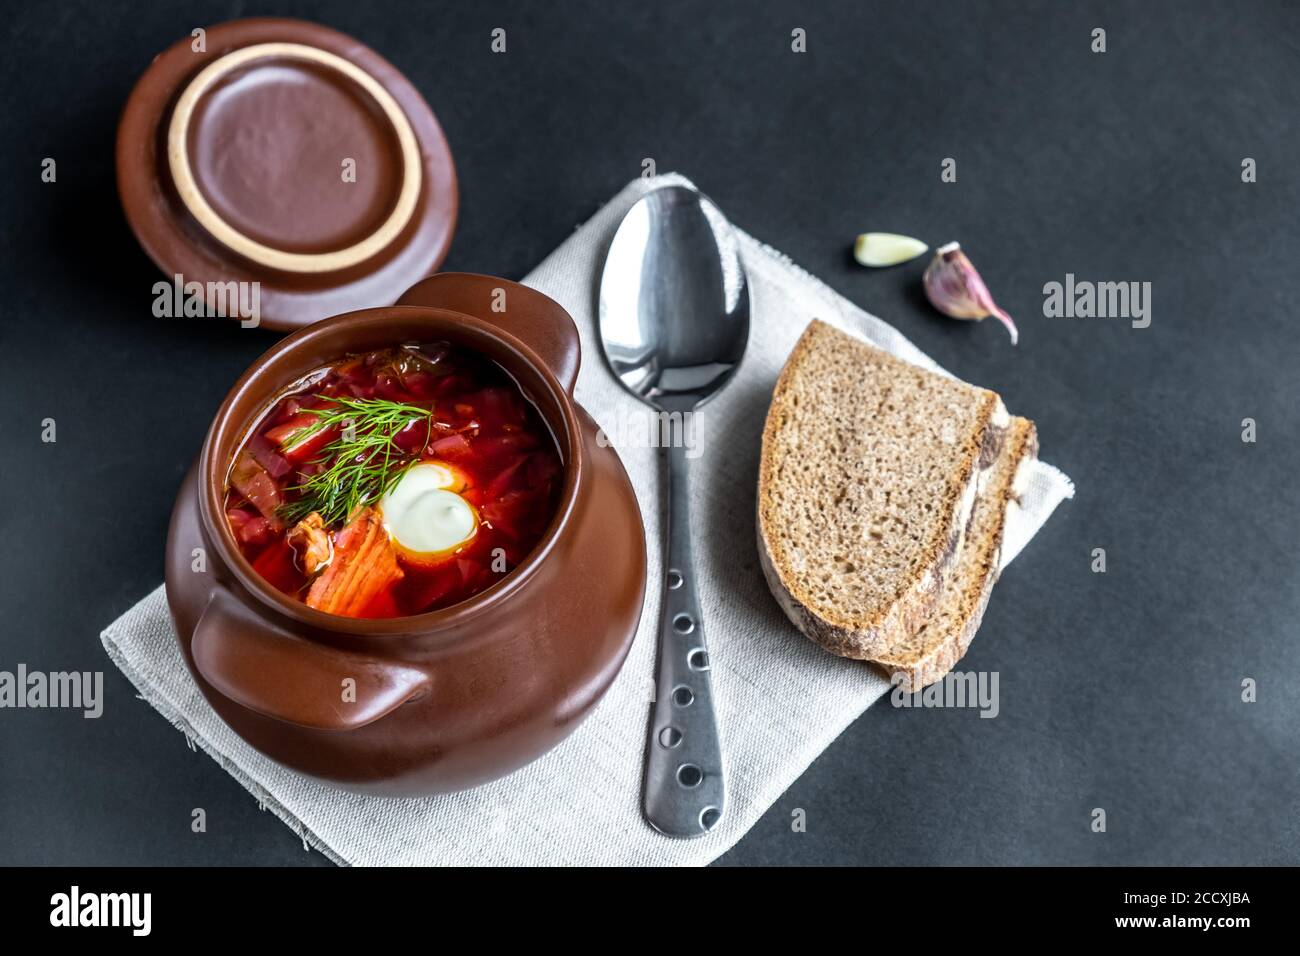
x=472 y=418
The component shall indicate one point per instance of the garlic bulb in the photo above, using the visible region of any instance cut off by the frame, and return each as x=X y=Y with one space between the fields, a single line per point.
x=886 y=249
x=954 y=288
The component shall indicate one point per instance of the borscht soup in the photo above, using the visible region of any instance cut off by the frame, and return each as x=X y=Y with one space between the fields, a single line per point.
x=394 y=482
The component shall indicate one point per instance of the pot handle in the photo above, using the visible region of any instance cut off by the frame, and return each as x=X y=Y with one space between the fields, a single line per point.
x=279 y=675
x=538 y=319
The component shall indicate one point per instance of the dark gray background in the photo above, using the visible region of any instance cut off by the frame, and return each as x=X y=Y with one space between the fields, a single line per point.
x=1119 y=690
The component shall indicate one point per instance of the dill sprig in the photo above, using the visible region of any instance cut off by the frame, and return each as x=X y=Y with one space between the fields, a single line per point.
x=363 y=462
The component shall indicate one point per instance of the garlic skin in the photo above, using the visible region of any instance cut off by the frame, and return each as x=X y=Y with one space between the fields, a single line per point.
x=880 y=249
x=955 y=288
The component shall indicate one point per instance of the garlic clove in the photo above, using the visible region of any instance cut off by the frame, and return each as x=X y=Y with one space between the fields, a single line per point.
x=878 y=249
x=955 y=288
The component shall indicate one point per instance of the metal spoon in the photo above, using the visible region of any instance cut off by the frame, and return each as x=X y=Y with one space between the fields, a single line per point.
x=674 y=321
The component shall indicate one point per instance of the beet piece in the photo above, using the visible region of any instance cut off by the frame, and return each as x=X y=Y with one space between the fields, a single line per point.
x=452 y=446
x=269 y=457
x=416 y=436
x=249 y=529
x=252 y=481
x=501 y=483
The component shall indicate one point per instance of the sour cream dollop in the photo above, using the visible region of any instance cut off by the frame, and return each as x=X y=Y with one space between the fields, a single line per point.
x=424 y=515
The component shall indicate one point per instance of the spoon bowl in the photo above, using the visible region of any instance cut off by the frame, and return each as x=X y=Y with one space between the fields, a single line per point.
x=674 y=300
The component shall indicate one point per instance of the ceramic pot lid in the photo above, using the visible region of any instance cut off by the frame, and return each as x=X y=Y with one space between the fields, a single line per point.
x=286 y=154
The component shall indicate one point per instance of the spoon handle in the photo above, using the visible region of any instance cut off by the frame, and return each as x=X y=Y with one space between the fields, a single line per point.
x=684 y=793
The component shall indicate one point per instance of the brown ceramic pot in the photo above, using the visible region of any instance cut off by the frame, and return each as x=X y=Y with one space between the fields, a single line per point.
x=444 y=700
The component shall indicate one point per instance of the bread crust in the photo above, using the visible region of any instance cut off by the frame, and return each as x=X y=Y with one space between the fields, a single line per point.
x=921 y=589
x=939 y=658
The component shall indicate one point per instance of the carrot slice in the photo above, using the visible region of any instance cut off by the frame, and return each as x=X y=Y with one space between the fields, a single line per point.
x=364 y=566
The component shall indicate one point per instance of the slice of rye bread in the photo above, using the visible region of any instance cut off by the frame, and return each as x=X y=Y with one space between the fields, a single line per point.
x=939 y=644
x=868 y=474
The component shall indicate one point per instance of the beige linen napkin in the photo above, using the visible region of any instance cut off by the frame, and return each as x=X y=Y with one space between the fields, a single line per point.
x=780 y=699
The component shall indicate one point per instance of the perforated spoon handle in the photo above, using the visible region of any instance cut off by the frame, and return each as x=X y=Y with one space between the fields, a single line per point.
x=684 y=793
